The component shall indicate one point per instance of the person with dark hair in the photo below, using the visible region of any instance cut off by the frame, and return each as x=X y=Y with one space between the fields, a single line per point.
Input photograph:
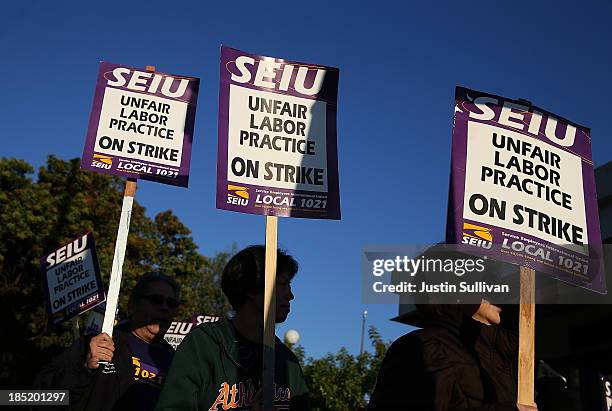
x=460 y=360
x=137 y=354
x=218 y=366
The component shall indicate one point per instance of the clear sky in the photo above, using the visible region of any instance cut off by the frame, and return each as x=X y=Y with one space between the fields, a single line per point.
x=399 y=65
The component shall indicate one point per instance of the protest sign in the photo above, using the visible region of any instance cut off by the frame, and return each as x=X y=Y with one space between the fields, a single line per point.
x=523 y=188
x=277 y=155
x=179 y=329
x=277 y=148
x=141 y=124
x=71 y=277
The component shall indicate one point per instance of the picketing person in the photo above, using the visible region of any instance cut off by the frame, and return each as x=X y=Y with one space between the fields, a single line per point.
x=460 y=360
x=137 y=356
x=218 y=366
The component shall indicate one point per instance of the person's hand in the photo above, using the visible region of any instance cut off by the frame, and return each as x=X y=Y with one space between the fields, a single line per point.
x=523 y=407
x=101 y=348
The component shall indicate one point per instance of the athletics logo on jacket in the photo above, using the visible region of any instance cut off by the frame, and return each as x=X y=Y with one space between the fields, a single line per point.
x=242 y=396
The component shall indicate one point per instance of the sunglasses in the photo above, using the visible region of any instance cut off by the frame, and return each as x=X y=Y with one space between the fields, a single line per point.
x=157 y=299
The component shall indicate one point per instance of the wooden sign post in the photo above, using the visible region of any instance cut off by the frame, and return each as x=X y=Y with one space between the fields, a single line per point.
x=120 y=245
x=76 y=330
x=269 y=314
x=526 y=360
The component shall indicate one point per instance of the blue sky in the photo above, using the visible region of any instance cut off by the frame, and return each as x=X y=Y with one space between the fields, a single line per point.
x=399 y=65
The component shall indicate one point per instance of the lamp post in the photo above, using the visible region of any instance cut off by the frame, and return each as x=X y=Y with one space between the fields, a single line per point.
x=363 y=321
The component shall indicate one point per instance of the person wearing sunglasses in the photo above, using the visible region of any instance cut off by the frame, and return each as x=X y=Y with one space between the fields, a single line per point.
x=218 y=366
x=137 y=352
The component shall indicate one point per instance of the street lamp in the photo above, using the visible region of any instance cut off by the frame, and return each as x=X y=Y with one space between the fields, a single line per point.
x=291 y=338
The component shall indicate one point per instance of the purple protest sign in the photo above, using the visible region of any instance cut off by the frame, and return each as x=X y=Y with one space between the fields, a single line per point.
x=71 y=279
x=277 y=152
x=141 y=125
x=179 y=329
x=523 y=188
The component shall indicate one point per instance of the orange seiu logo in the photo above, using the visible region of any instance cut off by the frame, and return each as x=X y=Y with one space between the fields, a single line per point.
x=237 y=195
x=476 y=231
x=238 y=191
x=103 y=159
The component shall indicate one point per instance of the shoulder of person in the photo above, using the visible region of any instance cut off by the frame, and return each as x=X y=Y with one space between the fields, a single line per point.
x=504 y=340
x=407 y=345
x=221 y=325
x=427 y=336
x=218 y=332
x=505 y=333
x=282 y=349
x=435 y=347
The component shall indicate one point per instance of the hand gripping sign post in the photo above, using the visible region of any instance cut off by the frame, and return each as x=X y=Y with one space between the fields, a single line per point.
x=141 y=126
x=523 y=191
x=277 y=153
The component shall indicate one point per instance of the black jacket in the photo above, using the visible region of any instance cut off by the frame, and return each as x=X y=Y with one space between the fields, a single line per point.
x=91 y=389
x=454 y=363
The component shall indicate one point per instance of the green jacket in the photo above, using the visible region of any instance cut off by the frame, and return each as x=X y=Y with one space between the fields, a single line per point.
x=206 y=374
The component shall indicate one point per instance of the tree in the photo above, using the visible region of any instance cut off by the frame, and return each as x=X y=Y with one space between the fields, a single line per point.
x=37 y=216
x=340 y=381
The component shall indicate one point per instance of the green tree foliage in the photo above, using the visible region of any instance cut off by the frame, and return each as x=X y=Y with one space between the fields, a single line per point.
x=339 y=382
x=39 y=215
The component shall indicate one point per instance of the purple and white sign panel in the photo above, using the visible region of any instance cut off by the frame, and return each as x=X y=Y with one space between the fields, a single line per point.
x=71 y=278
x=141 y=125
x=523 y=188
x=277 y=137
x=178 y=330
